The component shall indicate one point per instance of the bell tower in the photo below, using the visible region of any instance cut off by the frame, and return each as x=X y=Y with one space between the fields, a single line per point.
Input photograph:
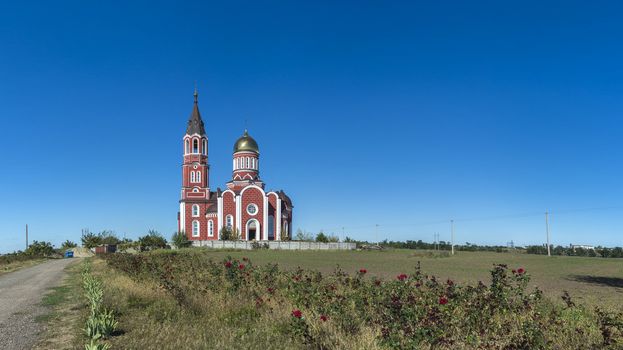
x=195 y=170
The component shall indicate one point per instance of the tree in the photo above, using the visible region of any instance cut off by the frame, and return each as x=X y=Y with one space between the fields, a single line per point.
x=180 y=240
x=152 y=240
x=303 y=236
x=229 y=234
x=40 y=249
x=321 y=237
x=90 y=240
x=333 y=238
x=68 y=244
x=109 y=237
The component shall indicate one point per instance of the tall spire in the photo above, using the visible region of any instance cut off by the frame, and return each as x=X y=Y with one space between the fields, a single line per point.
x=195 y=123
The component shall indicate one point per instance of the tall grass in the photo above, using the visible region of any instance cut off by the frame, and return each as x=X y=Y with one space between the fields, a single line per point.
x=234 y=304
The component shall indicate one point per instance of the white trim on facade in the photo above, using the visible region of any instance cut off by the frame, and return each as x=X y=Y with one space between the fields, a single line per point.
x=252 y=186
x=239 y=214
x=265 y=219
x=219 y=210
x=278 y=216
x=182 y=217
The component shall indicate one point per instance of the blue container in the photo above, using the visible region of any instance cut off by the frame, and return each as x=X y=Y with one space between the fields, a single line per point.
x=69 y=254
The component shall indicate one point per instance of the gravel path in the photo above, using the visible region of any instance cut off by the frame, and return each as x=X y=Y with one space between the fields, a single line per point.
x=20 y=297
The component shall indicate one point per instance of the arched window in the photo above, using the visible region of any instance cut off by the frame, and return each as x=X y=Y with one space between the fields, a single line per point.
x=195 y=190
x=204 y=147
x=195 y=210
x=186 y=147
x=229 y=221
x=210 y=228
x=234 y=164
x=198 y=177
x=195 y=146
x=248 y=163
x=271 y=228
x=192 y=176
x=195 y=228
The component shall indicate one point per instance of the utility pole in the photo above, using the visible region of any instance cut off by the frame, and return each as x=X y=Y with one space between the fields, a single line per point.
x=547 y=231
x=26 y=236
x=452 y=237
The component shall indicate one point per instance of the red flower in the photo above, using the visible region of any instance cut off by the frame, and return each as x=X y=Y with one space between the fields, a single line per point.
x=323 y=318
x=443 y=301
x=297 y=313
x=227 y=264
x=363 y=271
x=520 y=270
x=402 y=277
x=241 y=266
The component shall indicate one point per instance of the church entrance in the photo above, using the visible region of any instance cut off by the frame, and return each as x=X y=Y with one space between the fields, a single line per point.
x=252 y=230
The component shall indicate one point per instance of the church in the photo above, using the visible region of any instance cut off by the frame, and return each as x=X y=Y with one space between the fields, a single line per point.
x=245 y=207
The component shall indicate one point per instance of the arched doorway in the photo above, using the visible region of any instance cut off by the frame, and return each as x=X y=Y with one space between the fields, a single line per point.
x=253 y=230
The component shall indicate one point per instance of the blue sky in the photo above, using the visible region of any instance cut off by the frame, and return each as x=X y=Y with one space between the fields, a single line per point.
x=402 y=114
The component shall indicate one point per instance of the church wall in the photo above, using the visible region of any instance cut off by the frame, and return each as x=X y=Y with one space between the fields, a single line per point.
x=255 y=196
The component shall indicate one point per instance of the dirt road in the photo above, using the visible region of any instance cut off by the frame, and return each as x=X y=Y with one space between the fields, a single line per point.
x=20 y=296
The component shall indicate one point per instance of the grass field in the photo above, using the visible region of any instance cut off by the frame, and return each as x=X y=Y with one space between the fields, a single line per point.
x=591 y=281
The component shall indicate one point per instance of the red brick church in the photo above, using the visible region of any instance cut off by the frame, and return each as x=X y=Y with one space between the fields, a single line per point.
x=245 y=206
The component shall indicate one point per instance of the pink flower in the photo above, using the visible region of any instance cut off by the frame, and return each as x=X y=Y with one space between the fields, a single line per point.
x=297 y=313
x=521 y=270
x=363 y=271
x=443 y=301
x=241 y=266
x=323 y=318
x=227 y=264
x=402 y=277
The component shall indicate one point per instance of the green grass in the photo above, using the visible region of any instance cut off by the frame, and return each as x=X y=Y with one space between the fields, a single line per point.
x=591 y=281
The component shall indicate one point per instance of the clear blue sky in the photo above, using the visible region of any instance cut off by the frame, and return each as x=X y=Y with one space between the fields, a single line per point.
x=402 y=114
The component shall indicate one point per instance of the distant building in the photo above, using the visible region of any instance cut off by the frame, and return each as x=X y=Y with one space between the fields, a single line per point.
x=581 y=246
x=245 y=206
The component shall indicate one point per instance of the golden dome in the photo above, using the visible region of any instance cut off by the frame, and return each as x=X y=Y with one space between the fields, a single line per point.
x=246 y=143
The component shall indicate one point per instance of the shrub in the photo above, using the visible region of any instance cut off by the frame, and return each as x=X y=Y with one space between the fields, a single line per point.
x=180 y=240
x=413 y=310
x=229 y=234
x=152 y=240
x=41 y=249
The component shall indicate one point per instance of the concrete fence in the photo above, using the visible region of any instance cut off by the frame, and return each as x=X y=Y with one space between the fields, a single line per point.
x=284 y=245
